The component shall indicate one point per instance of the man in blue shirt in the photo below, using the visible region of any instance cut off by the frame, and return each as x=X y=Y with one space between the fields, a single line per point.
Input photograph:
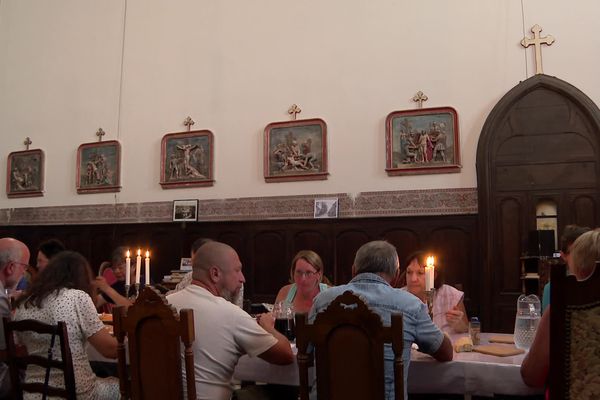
x=375 y=266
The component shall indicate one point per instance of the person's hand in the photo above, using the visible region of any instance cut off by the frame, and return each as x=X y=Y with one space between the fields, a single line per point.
x=267 y=321
x=454 y=317
x=100 y=283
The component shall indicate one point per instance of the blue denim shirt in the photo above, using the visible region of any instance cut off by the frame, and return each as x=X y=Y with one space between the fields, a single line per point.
x=385 y=300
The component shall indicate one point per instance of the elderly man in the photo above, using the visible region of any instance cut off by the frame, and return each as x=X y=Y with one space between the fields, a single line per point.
x=224 y=332
x=375 y=265
x=14 y=258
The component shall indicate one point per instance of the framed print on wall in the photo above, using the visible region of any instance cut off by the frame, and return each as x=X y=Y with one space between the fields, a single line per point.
x=295 y=150
x=422 y=141
x=99 y=167
x=187 y=159
x=25 y=174
x=185 y=210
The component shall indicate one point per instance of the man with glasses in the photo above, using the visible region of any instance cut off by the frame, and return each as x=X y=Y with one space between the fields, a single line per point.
x=14 y=258
x=224 y=332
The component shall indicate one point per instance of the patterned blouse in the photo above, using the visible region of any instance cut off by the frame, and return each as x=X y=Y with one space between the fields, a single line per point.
x=76 y=309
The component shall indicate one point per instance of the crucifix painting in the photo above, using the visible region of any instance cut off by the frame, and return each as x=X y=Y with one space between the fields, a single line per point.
x=187 y=159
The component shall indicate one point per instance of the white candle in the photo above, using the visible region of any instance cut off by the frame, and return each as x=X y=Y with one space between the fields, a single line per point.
x=127 y=268
x=147 y=271
x=138 y=266
x=429 y=273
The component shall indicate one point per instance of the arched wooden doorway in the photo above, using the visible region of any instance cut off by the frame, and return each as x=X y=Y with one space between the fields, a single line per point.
x=541 y=142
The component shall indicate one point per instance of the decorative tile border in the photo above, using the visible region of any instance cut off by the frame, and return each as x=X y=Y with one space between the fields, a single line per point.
x=366 y=204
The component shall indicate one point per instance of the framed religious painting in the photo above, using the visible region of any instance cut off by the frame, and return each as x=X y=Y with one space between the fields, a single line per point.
x=295 y=150
x=99 y=167
x=422 y=141
x=187 y=159
x=25 y=174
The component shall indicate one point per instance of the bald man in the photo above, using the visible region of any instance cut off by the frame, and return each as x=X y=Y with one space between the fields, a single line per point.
x=14 y=258
x=224 y=332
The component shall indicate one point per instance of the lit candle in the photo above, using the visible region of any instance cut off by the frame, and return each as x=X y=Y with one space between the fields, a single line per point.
x=147 y=271
x=127 y=268
x=138 y=266
x=429 y=273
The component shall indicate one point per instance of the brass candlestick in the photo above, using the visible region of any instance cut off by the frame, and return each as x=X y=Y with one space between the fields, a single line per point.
x=429 y=298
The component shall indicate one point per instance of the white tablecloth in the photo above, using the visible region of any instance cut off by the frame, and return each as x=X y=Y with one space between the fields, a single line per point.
x=469 y=373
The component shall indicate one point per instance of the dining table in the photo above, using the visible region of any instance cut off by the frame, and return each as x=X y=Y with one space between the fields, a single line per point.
x=468 y=374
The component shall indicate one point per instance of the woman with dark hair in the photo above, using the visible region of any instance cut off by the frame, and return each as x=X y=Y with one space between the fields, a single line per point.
x=63 y=291
x=115 y=293
x=46 y=250
x=449 y=312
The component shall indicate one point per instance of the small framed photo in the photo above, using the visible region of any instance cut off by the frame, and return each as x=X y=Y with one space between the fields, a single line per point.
x=422 y=141
x=99 y=167
x=326 y=208
x=186 y=264
x=295 y=150
x=25 y=174
x=187 y=159
x=185 y=210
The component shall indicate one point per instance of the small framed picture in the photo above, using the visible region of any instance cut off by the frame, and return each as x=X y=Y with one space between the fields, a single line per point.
x=186 y=264
x=186 y=159
x=326 y=208
x=295 y=150
x=422 y=141
x=185 y=210
x=99 y=167
x=25 y=174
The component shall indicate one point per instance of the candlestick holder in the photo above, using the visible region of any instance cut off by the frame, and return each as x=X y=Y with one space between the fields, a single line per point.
x=137 y=290
x=127 y=291
x=429 y=298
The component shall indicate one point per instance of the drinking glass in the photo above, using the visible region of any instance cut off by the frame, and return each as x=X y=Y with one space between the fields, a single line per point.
x=283 y=312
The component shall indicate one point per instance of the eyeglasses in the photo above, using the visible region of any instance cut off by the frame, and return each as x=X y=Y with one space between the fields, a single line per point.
x=304 y=274
x=23 y=264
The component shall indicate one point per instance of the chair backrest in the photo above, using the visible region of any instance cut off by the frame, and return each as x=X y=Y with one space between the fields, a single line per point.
x=574 y=335
x=17 y=361
x=154 y=334
x=348 y=343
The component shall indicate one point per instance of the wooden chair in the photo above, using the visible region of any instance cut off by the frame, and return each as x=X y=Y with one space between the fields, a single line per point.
x=17 y=361
x=348 y=341
x=154 y=333
x=574 y=336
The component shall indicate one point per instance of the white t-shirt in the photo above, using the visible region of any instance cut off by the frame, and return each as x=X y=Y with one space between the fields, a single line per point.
x=224 y=332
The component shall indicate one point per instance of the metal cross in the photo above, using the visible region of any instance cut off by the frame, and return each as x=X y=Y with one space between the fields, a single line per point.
x=294 y=109
x=537 y=41
x=420 y=97
x=27 y=142
x=188 y=121
x=100 y=133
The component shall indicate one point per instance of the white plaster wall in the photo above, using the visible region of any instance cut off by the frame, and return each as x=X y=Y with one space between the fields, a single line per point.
x=137 y=68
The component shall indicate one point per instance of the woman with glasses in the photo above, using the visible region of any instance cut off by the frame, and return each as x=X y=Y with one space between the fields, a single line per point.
x=306 y=273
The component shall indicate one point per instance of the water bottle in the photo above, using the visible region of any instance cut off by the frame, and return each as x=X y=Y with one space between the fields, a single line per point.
x=527 y=320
